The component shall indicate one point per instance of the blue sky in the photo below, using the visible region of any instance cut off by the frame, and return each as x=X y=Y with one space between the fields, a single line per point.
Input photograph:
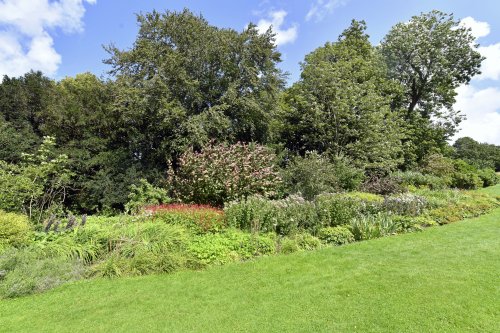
x=65 y=37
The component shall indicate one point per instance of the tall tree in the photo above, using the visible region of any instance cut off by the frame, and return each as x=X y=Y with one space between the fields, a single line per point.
x=342 y=104
x=184 y=82
x=89 y=131
x=431 y=55
x=22 y=101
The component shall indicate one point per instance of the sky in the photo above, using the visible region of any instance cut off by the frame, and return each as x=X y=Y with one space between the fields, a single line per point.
x=66 y=37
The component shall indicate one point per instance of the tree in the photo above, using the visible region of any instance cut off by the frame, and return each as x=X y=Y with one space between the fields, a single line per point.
x=342 y=104
x=430 y=56
x=89 y=131
x=37 y=186
x=185 y=82
x=22 y=101
x=481 y=155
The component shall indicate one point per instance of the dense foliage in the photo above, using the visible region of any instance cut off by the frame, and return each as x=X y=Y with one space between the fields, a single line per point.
x=221 y=173
x=342 y=104
x=185 y=83
x=167 y=238
x=193 y=152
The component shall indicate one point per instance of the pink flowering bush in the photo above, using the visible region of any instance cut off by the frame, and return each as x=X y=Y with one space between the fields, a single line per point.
x=220 y=173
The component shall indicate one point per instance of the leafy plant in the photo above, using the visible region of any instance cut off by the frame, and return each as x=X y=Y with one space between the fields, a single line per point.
x=28 y=273
x=489 y=177
x=382 y=185
x=200 y=218
x=38 y=186
x=418 y=179
x=285 y=216
x=405 y=204
x=338 y=235
x=145 y=194
x=465 y=176
x=373 y=226
x=220 y=173
x=15 y=229
x=231 y=245
x=339 y=209
x=313 y=174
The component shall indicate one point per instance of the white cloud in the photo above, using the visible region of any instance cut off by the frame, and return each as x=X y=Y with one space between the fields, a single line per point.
x=25 y=26
x=478 y=29
x=321 y=8
x=481 y=106
x=482 y=109
x=490 y=68
x=276 y=20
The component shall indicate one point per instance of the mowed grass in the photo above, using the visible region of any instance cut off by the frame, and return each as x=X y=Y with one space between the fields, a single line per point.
x=445 y=279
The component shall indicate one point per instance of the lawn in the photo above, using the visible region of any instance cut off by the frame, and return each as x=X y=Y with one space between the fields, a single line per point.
x=445 y=279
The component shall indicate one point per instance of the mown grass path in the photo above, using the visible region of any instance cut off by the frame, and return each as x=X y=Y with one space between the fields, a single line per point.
x=445 y=279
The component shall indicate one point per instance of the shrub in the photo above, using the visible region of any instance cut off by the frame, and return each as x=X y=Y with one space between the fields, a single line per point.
x=466 y=204
x=488 y=177
x=27 y=273
x=418 y=179
x=221 y=173
x=15 y=229
x=313 y=174
x=200 y=218
x=437 y=165
x=338 y=235
x=465 y=176
x=299 y=242
x=373 y=226
x=349 y=176
x=440 y=198
x=230 y=245
x=382 y=185
x=145 y=194
x=412 y=223
x=405 y=204
x=285 y=216
x=37 y=186
x=306 y=241
x=338 y=209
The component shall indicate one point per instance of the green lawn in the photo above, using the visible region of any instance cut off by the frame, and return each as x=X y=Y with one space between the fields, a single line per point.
x=445 y=279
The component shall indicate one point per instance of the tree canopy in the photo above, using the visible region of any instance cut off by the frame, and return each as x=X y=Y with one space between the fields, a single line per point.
x=342 y=104
x=430 y=56
x=185 y=83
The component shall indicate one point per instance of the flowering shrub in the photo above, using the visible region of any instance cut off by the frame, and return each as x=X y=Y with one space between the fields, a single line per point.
x=285 y=216
x=201 y=218
x=405 y=204
x=341 y=208
x=221 y=173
